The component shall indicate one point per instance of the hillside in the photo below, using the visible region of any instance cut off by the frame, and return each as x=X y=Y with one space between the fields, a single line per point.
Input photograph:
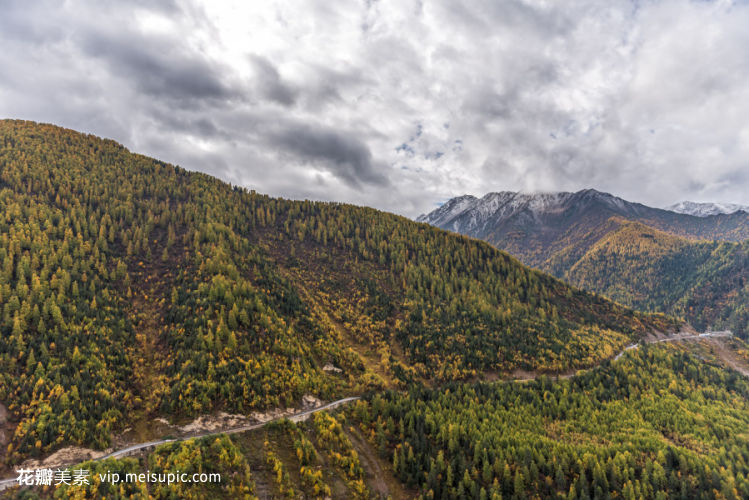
x=660 y=423
x=647 y=258
x=131 y=288
x=706 y=282
x=664 y=421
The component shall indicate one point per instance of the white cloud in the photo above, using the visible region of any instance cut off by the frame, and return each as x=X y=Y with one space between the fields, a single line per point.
x=402 y=104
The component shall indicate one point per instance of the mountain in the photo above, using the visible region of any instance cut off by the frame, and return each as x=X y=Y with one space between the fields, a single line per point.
x=706 y=282
x=705 y=209
x=535 y=226
x=448 y=210
x=586 y=239
x=470 y=213
x=132 y=289
x=666 y=420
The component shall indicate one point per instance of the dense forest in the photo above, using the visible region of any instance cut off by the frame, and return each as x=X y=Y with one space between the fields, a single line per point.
x=659 y=423
x=218 y=461
x=663 y=421
x=132 y=288
x=314 y=459
x=705 y=282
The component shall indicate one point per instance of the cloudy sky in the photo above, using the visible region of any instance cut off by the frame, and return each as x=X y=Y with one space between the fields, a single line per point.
x=400 y=104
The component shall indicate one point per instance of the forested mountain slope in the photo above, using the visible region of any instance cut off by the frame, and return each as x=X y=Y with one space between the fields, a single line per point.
x=658 y=424
x=551 y=231
x=131 y=288
x=647 y=258
x=664 y=421
x=706 y=282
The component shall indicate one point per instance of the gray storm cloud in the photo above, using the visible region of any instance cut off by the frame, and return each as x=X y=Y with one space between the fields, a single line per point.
x=400 y=105
x=345 y=157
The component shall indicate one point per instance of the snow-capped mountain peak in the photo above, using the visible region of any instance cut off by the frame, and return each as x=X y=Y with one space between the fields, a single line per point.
x=706 y=209
x=467 y=213
x=448 y=210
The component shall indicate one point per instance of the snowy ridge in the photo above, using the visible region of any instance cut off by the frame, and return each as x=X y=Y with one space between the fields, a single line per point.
x=706 y=209
x=468 y=213
x=450 y=209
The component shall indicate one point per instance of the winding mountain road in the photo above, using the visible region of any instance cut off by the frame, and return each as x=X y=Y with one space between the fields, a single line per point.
x=123 y=452
x=10 y=482
x=677 y=338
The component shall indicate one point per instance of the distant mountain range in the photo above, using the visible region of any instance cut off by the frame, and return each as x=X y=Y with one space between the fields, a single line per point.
x=672 y=258
x=705 y=209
